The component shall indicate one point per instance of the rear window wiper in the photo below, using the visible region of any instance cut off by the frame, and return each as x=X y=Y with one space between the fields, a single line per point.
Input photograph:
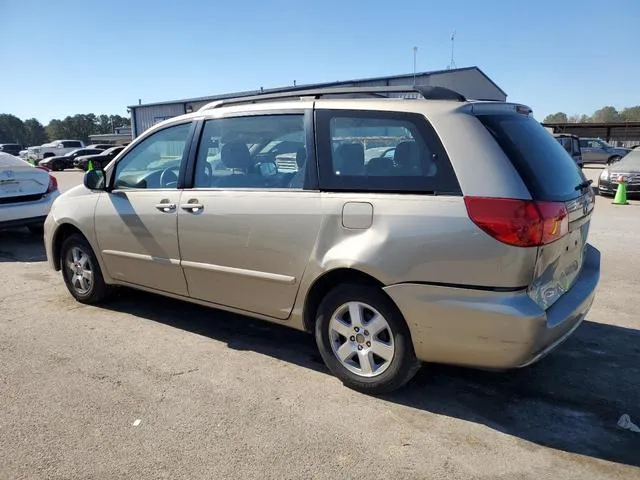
x=584 y=184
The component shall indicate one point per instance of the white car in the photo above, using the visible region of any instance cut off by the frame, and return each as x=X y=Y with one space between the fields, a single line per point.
x=26 y=193
x=57 y=148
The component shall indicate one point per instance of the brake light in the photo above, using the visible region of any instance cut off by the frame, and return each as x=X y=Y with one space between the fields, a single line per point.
x=521 y=223
x=53 y=184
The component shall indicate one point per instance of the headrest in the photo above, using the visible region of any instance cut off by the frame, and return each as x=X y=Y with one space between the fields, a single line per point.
x=380 y=166
x=406 y=153
x=236 y=155
x=301 y=157
x=350 y=158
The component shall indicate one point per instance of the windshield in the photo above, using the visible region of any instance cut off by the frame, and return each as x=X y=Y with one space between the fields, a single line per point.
x=549 y=172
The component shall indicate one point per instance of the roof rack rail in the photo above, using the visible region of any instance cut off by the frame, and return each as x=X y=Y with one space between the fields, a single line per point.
x=427 y=92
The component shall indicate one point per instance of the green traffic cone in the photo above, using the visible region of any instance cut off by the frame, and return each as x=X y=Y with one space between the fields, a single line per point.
x=90 y=166
x=621 y=193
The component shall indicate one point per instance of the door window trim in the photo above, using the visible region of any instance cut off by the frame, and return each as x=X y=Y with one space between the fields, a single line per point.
x=111 y=176
x=311 y=174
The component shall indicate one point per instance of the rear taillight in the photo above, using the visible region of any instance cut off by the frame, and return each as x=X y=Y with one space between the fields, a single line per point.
x=521 y=223
x=53 y=184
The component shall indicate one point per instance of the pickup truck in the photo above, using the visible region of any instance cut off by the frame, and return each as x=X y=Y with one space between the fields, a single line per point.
x=56 y=148
x=595 y=150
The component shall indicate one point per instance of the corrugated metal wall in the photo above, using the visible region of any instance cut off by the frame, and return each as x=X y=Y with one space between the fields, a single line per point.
x=146 y=117
x=471 y=83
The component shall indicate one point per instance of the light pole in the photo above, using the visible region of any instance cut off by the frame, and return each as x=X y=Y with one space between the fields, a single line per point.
x=415 y=53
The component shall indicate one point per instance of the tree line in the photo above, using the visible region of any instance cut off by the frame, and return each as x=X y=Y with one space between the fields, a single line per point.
x=604 y=115
x=31 y=132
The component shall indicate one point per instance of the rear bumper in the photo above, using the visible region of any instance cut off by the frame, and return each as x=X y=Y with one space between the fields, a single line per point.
x=26 y=213
x=492 y=329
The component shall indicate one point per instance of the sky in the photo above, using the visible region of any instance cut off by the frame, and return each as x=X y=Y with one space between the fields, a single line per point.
x=65 y=57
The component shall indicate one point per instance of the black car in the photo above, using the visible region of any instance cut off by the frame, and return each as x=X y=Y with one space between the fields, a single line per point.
x=100 y=160
x=11 y=148
x=571 y=144
x=628 y=167
x=66 y=161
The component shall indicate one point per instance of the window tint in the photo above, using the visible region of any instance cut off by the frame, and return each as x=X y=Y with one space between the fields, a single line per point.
x=71 y=144
x=155 y=162
x=382 y=151
x=576 y=146
x=545 y=167
x=565 y=142
x=584 y=143
x=266 y=151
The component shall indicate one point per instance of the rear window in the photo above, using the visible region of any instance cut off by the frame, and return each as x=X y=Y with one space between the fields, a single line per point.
x=548 y=171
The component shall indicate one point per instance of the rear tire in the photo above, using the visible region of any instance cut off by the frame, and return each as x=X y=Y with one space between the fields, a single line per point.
x=81 y=271
x=364 y=340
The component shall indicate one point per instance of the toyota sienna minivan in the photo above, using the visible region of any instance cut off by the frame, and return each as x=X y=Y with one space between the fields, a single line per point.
x=466 y=245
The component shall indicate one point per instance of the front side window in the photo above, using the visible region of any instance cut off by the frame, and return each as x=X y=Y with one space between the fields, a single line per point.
x=266 y=151
x=156 y=161
x=382 y=151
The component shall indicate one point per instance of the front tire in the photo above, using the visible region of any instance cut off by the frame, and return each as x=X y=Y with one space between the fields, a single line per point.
x=81 y=271
x=364 y=340
x=613 y=160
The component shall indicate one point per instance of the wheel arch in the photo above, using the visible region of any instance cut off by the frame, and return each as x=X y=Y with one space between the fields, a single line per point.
x=63 y=232
x=324 y=283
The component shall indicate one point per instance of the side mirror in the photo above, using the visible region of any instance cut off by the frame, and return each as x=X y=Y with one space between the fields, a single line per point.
x=94 y=180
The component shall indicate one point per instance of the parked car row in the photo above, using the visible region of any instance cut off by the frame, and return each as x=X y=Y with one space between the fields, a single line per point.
x=101 y=154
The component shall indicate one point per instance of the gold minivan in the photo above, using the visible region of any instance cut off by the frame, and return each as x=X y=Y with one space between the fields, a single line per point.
x=396 y=230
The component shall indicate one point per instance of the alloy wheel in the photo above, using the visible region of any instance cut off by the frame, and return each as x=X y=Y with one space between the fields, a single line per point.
x=361 y=339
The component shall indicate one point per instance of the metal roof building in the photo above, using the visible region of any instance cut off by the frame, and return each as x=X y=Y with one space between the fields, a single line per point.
x=470 y=81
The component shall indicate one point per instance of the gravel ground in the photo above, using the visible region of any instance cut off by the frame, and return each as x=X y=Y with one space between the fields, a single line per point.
x=146 y=387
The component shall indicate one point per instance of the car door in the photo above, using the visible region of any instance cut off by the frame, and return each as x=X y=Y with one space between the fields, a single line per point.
x=588 y=152
x=246 y=230
x=597 y=152
x=136 y=221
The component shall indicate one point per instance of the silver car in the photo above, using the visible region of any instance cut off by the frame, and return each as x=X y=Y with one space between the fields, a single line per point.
x=466 y=246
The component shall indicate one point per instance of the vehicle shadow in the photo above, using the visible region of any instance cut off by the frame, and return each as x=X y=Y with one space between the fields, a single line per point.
x=570 y=401
x=20 y=245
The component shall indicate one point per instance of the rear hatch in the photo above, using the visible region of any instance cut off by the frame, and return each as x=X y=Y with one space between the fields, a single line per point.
x=559 y=191
x=19 y=181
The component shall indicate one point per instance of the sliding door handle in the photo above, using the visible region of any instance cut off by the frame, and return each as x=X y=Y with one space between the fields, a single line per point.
x=166 y=207
x=192 y=207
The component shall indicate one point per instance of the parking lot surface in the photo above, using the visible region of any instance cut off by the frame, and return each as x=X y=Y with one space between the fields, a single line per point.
x=147 y=387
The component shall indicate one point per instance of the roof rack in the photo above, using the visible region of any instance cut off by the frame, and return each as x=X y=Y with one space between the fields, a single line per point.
x=427 y=92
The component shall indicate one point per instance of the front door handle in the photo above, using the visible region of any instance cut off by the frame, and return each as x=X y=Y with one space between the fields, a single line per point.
x=166 y=207
x=192 y=207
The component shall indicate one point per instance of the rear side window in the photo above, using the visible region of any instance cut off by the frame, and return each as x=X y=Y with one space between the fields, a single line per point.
x=381 y=152
x=71 y=144
x=546 y=168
